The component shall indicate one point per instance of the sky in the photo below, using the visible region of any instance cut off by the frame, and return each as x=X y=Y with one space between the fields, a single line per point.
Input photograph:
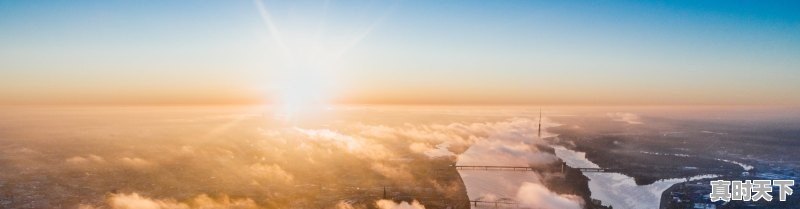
x=400 y=52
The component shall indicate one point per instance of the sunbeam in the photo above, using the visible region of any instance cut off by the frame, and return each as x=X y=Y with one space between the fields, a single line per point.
x=309 y=66
x=275 y=33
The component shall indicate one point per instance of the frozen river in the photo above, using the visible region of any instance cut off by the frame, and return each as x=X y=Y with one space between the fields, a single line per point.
x=616 y=189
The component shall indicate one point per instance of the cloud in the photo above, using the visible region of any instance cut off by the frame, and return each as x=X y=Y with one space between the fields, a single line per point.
x=377 y=131
x=491 y=152
x=136 y=201
x=452 y=136
x=431 y=140
x=496 y=185
x=83 y=206
x=136 y=162
x=537 y=196
x=388 y=204
x=359 y=146
x=271 y=172
x=513 y=142
x=78 y=160
x=629 y=118
x=441 y=150
x=24 y=150
x=344 y=141
x=395 y=173
x=344 y=205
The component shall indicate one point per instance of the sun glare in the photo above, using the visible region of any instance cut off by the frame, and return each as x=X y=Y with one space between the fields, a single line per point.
x=306 y=83
x=303 y=92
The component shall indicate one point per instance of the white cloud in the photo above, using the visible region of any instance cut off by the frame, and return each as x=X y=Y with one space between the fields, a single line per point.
x=629 y=118
x=344 y=205
x=537 y=196
x=388 y=204
x=356 y=145
x=495 y=185
x=82 y=206
x=271 y=172
x=511 y=143
x=345 y=141
x=491 y=152
x=136 y=201
x=78 y=160
x=136 y=162
x=395 y=173
x=441 y=150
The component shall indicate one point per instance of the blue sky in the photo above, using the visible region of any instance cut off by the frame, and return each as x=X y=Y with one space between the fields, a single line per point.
x=553 y=52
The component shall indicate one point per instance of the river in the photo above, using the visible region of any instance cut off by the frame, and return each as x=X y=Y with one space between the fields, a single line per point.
x=619 y=190
x=614 y=189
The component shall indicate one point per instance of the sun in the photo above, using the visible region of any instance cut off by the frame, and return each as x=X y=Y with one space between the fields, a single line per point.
x=311 y=55
x=303 y=92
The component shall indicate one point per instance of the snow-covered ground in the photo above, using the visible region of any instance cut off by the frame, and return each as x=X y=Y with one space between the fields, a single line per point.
x=746 y=167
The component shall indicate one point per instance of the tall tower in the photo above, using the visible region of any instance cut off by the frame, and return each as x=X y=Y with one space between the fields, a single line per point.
x=540 y=123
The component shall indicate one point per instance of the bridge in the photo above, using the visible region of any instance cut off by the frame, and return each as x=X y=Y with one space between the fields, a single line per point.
x=523 y=168
x=495 y=203
x=503 y=203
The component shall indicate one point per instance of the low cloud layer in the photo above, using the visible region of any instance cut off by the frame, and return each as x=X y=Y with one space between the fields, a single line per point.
x=80 y=160
x=537 y=196
x=136 y=201
x=514 y=144
x=145 y=161
x=136 y=163
x=388 y=204
x=505 y=153
x=440 y=150
x=625 y=117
